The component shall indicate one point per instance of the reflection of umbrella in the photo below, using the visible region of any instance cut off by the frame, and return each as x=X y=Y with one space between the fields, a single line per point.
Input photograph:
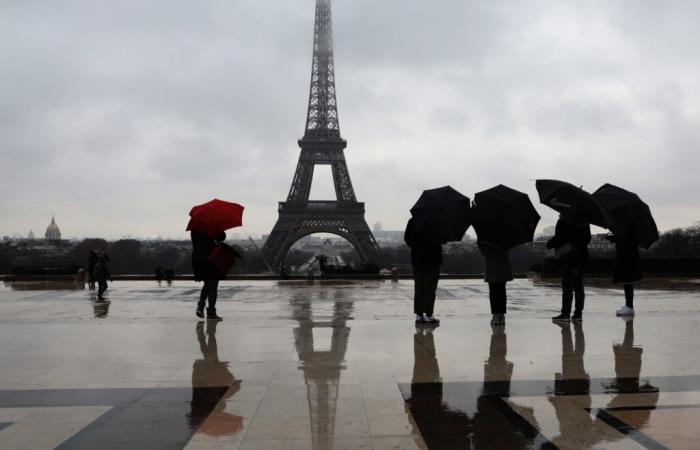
x=215 y=216
x=504 y=217
x=626 y=213
x=570 y=200
x=442 y=213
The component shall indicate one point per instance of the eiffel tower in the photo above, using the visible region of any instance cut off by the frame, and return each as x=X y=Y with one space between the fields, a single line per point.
x=321 y=144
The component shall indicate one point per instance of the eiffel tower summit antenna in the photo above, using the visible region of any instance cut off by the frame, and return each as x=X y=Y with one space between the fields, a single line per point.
x=321 y=145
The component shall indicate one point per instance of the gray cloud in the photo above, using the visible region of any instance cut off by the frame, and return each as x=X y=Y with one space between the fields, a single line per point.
x=120 y=116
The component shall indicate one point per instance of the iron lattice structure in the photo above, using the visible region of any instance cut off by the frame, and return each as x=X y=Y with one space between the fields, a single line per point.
x=321 y=144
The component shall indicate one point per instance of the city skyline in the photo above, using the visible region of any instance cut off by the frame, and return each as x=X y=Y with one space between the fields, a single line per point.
x=105 y=126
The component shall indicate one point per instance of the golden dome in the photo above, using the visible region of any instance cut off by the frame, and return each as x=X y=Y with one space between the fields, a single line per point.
x=53 y=233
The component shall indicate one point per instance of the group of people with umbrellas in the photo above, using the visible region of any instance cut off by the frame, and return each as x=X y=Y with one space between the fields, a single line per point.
x=504 y=218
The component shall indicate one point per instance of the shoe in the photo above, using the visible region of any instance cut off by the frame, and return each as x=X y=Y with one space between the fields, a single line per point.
x=625 y=311
x=561 y=318
x=420 y=318
x=498 y=319
x=577 y=317
x=200 y=312
x=431 y=320
x=211 y=314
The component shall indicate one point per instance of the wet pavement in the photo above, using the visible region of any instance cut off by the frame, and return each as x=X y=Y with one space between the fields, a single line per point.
x=342 y=365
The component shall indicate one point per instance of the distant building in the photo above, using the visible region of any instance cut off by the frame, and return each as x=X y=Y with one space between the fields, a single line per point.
x=30 y=236
x=377 y=228
x=53 y=233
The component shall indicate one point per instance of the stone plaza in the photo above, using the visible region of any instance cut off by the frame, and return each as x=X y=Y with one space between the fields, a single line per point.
x=342 y=365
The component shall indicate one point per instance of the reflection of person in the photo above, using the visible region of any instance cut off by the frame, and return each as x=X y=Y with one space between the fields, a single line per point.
x=100 y=309
x=209 y=373
x=628 y=268
x=497 y=370
x=202 y=246
x=497 y=272
x=573 y=380
x=426 y=258
x=572 y=240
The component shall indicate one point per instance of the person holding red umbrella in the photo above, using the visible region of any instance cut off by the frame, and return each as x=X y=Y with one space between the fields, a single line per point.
x=211 y=258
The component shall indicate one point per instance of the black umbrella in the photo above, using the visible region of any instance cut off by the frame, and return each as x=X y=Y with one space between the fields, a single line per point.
x=626 y=213
x=504 y=217
x=570 y=200
x=442 y=214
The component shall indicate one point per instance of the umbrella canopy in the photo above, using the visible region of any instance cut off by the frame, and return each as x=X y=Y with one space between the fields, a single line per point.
x=442 y=214
x=504 y=217
x=570 y=200
x=626 y=213
x=215 y=216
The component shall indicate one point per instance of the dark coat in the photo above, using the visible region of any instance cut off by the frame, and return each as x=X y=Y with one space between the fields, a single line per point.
x=628 y=264
x=497 y=268
x=424 y=252
x=578 y=236
x=202 y=246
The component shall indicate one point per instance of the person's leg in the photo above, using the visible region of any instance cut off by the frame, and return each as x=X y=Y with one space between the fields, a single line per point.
x=418 y=290
x=629 y=295
x=493 y=297
x=502 y=298
x=433 y=276
x=212 y=294
x=567 y=290
x=102 y=288
x=579 y=292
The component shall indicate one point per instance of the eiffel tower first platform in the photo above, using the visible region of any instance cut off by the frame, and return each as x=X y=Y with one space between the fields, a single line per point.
x=321 y=144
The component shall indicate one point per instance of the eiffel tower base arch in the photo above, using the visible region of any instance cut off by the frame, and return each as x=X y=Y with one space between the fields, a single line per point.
x=347 y=222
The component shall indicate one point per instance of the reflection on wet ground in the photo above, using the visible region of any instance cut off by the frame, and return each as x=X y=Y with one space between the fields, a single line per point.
x=54 y=285
x=342 y=365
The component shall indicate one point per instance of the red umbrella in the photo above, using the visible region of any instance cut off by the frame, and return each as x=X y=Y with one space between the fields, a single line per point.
x=215 y=216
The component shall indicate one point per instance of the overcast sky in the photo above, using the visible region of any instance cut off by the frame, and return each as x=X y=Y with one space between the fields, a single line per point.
x=119 y=116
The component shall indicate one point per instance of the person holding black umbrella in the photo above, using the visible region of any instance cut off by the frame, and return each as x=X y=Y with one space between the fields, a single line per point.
x=627 y=268
x=497 y=272
x=632 y=226
x=426 y=258
x=571 y=241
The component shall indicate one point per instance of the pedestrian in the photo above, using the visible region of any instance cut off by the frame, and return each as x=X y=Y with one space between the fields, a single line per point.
x=101 y=274
x=92 y=260
x=570 y=242
x=497 y=272
x=158 y=272
x=169 y=275
x=426 y=259
x=202 y=246
x=628 y=267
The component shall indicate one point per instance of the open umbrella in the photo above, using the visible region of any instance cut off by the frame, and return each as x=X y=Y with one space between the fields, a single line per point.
x=626 y=213
x=215 y=216
x=504 y=217
x=442 y=214
x=570 y=200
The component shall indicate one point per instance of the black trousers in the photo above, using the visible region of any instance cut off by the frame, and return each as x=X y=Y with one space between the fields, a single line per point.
x=102 y=287
x=572 y=286
x=425 y=280
x=210 y=291
x=497 y=297
x=629 y=295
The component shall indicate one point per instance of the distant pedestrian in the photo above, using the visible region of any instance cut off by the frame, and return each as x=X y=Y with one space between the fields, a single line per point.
x=169 y=275
x=92 y=260
x=628 y=268
x=202 y=246
x=426 y=259
x=497 y=272
x=101 y=275
x=570 y=242
x=158 y=272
